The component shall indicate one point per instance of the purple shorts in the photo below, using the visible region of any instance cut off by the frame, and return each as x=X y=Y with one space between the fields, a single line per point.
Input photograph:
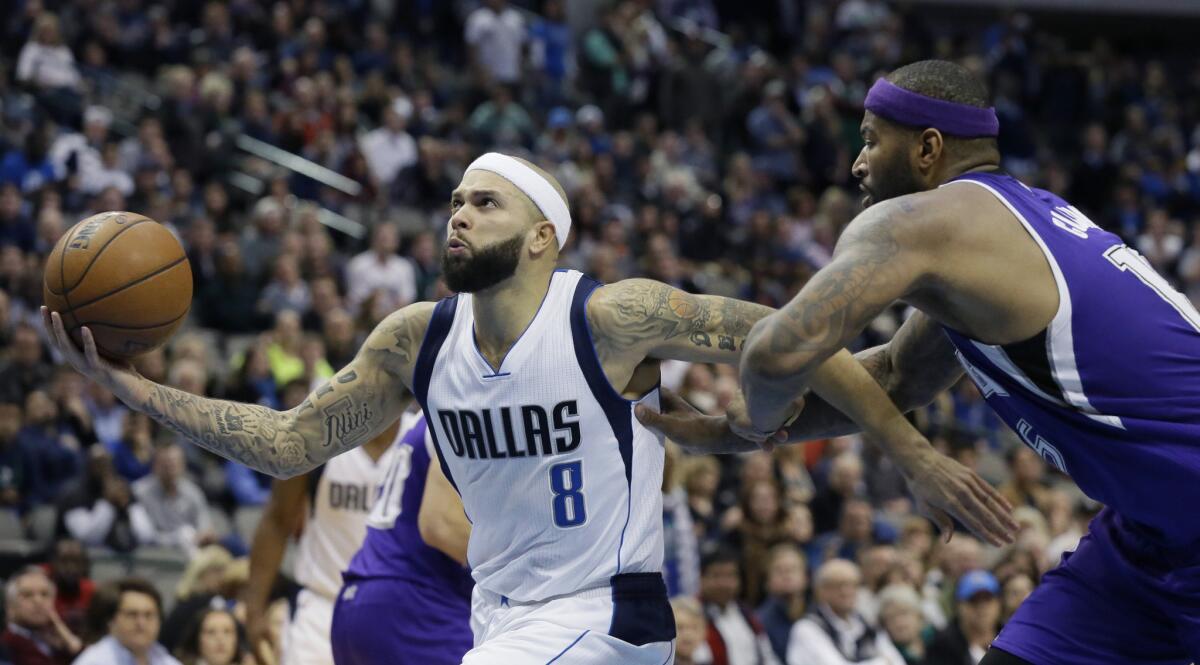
x=398 y=622
x=1119 y=599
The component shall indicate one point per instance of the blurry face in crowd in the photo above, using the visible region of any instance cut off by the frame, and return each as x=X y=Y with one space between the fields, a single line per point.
x=10 y=422
x=31 y=601
x=39 y=408
x=902 y=622
x=856 y=521
x=70 y=562
x=960 y=555
x=168 y=465
x=490 y=226
x=786 y=575
x=838 y=587
x=218 y=639
x=136 y=622
x=689 y=631
x=800 y=523
x=980 y=613
x=876 y=562
x=720 y=583
x=1016 y=589
x=764 y=503
x=885 y=163
x=26 y=347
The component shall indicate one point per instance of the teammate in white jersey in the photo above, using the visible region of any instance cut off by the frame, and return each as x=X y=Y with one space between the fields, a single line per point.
x=329 y=508
x=529 y=381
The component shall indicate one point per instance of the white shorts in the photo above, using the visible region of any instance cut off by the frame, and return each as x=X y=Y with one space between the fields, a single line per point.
x=626 y=623
x=306 y=637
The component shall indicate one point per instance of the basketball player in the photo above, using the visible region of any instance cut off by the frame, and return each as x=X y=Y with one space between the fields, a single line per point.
x=528 y=380
x=406 y=599
x=336 y=498
x=1075 y=341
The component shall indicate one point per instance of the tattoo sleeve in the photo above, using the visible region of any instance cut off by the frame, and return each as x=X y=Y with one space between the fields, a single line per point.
x=355 y=405
x=642 y=315
x=869 y=271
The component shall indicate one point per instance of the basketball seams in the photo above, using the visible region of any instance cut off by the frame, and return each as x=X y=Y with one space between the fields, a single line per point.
x=79 y=280
x=143 y=278
x=119 y=326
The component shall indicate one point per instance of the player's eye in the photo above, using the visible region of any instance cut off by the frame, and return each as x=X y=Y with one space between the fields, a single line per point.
x=490 y=202
x=455 y=205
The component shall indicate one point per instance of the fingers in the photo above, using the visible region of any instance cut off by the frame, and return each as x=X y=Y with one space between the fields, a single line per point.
x=942 y=520
x=997 y=505
x=647 y=416
x=89 y=347
x=980 y=519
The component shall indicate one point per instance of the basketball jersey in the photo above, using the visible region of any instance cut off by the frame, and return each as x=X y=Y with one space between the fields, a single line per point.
x=1109 y=393
x=393 y=548
x=559 y=479
x=344 y=491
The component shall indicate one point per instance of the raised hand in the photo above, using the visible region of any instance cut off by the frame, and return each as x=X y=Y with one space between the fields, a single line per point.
x=121 y=379
x=695 y=431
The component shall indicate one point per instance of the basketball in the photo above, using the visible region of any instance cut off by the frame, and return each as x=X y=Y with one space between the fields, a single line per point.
x=122 y=275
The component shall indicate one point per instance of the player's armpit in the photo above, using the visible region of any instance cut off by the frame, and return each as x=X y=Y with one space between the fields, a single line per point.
x=638 y=318
x=878 y=260
x=442 y=522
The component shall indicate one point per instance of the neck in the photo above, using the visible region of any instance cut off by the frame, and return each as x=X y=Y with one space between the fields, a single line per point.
x=982 y=161
x=504 y=311
x=843 y=616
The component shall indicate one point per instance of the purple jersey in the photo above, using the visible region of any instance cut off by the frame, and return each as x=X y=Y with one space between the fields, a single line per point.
x=393 y=547
x=1109 y=393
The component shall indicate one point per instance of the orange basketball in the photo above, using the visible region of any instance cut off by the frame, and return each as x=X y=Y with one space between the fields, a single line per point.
x=122 y=275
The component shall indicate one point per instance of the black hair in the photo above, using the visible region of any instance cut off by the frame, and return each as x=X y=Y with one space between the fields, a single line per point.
x=941 y=79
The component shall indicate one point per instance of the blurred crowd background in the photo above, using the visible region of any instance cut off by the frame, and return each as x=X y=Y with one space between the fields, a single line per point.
x=304 y=150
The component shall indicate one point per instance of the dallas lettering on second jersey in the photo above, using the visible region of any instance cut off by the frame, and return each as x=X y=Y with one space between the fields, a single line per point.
x=475 y=434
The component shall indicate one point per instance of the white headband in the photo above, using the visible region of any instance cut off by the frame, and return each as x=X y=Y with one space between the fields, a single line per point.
x=537 y=188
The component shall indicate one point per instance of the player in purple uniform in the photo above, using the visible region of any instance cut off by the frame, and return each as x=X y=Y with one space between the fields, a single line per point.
x=1075 y=341
x=403 y=602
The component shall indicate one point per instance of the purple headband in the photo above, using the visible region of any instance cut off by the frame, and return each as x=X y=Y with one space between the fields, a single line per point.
x=906 y=107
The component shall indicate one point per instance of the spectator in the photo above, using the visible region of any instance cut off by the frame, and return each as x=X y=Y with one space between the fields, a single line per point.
x=46 y=62
x=845 y=476
x=380 y=270
x=175 y=505
x=27 y=368
x=854 y=534
x=213 y=639
x=1014 y=590
x=16 y=467
x=735 y=636
x=390 y=149
x=496 y=35
x=787 y=591
x=199 y=589
x=16 y=226
x=833 y=633
x=900 y=615
x=132 y=629
x=690 y=629
x=114 y=520
x=681 y=565
x=53 y=451
x=35 y=634
x=133 y=453
x=502 y=122
x=69 y=570
x=1027 y=486
x=967 y=638
x=286 y=290
x=762 y=526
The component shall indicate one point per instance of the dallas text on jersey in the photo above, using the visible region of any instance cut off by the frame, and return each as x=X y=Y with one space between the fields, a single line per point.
x=474 y=434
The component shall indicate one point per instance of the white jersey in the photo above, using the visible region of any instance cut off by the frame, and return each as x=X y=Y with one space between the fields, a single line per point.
x=337 y=520
x=561 y=482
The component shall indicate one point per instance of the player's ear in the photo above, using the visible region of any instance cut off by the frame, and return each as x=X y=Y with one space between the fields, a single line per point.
x=931 y=146
x=543 y=237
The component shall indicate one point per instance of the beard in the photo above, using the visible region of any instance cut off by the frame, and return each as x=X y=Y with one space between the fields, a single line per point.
x=890 y=179
x=483 y=268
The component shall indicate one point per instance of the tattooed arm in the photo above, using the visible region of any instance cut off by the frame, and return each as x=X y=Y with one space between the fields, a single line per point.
x=880 y=258
x=359 y=402
x=639 y=318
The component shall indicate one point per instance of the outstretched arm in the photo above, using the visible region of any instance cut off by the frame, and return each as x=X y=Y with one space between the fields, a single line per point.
x=879 y=259
x=355 y=405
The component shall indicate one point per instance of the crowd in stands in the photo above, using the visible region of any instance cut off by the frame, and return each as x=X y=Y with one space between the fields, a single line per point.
x=703 y=143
